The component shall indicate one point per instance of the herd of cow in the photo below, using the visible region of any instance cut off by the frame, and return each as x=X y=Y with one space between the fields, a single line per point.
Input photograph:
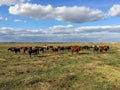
x=73 y=49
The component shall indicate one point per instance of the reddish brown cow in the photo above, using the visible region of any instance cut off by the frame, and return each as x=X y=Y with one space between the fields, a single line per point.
x=104 y=48
x=54 y=49
x=24 y=49
x=75 y=49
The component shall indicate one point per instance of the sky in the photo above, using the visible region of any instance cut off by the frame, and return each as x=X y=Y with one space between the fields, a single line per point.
x=59 y=20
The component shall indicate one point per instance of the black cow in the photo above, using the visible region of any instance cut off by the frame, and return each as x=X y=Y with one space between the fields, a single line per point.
x=33 y=50
x=14 y=49
x=42 y=49
x=95 y=48
x=86 y=47
x=67 y=48
x=61 y=48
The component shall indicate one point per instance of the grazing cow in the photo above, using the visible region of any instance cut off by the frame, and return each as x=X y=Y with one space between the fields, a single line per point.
x=75 y=49
x=33 y=50
x=11 y=48
x=24 y=49
x=86 y=47
x=61 y=48
x=67 y=48
x=40 y=48
x=104 y=48
x=54 y=49
x=45 y=47
x=14 y=49
x=49 y=47
x=95 y=48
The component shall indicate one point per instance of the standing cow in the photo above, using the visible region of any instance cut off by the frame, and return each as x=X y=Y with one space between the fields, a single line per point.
x=75 y=49
x=104 y=48
x=33 y=50
x=14 y=49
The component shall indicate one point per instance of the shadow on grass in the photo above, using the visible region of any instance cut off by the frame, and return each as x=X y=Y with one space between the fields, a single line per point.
x=84 y=53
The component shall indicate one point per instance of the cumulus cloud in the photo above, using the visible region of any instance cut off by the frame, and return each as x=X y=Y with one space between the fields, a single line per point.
x=115 y=10
x=73 y=14
x=11 y=2
x=3 y=19
x=61 y=33
x=32 y=10
x=78 y=14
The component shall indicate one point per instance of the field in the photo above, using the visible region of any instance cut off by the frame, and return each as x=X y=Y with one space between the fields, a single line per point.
x=87 y=70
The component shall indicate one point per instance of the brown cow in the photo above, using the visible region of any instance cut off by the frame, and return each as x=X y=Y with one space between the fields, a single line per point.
x=104 y=48
x=24 y=49
x=75 y=49
x=55 y=49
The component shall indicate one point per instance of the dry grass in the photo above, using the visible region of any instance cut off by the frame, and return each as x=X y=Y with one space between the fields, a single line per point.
x=60 y=71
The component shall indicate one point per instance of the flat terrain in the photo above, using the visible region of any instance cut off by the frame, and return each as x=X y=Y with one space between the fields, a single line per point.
x=87 y=70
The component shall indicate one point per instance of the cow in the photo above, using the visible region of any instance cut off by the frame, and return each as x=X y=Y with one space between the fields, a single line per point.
x=76 y=49
x=86 y=47
x=45 y=47
x=61 y=48
x=14 y=49
x=55 y=49
x=42 y=49
x=104 y=48
x=24 y=49
x=49 y=47
x=95 y=48
x=11 y=48
x=67 y=48
x=33 y=50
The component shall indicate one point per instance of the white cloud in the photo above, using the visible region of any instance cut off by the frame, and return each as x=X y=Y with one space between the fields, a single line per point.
x=62 y=33
x=78 y=14
x=18 y=20
x=94 y=29
x=115 y=10
x=3 y=19
x=32 y=10
x=69 y=14
x=12 y=2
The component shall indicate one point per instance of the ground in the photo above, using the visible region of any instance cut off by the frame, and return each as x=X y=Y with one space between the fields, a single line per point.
x=87 y=70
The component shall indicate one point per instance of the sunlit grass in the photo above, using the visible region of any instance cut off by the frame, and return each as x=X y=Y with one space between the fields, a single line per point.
x=60 y=70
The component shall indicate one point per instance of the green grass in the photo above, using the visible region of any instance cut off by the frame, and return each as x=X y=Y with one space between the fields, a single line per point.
x=60 y=71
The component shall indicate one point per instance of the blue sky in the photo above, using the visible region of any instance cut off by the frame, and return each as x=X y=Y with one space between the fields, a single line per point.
x=59 y=21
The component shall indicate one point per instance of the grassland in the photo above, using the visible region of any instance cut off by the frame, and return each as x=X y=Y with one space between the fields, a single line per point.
x=60 y=70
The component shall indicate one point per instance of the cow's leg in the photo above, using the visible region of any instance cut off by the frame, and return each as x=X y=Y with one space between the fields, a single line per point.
x=71 y=52
x=30 y=53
